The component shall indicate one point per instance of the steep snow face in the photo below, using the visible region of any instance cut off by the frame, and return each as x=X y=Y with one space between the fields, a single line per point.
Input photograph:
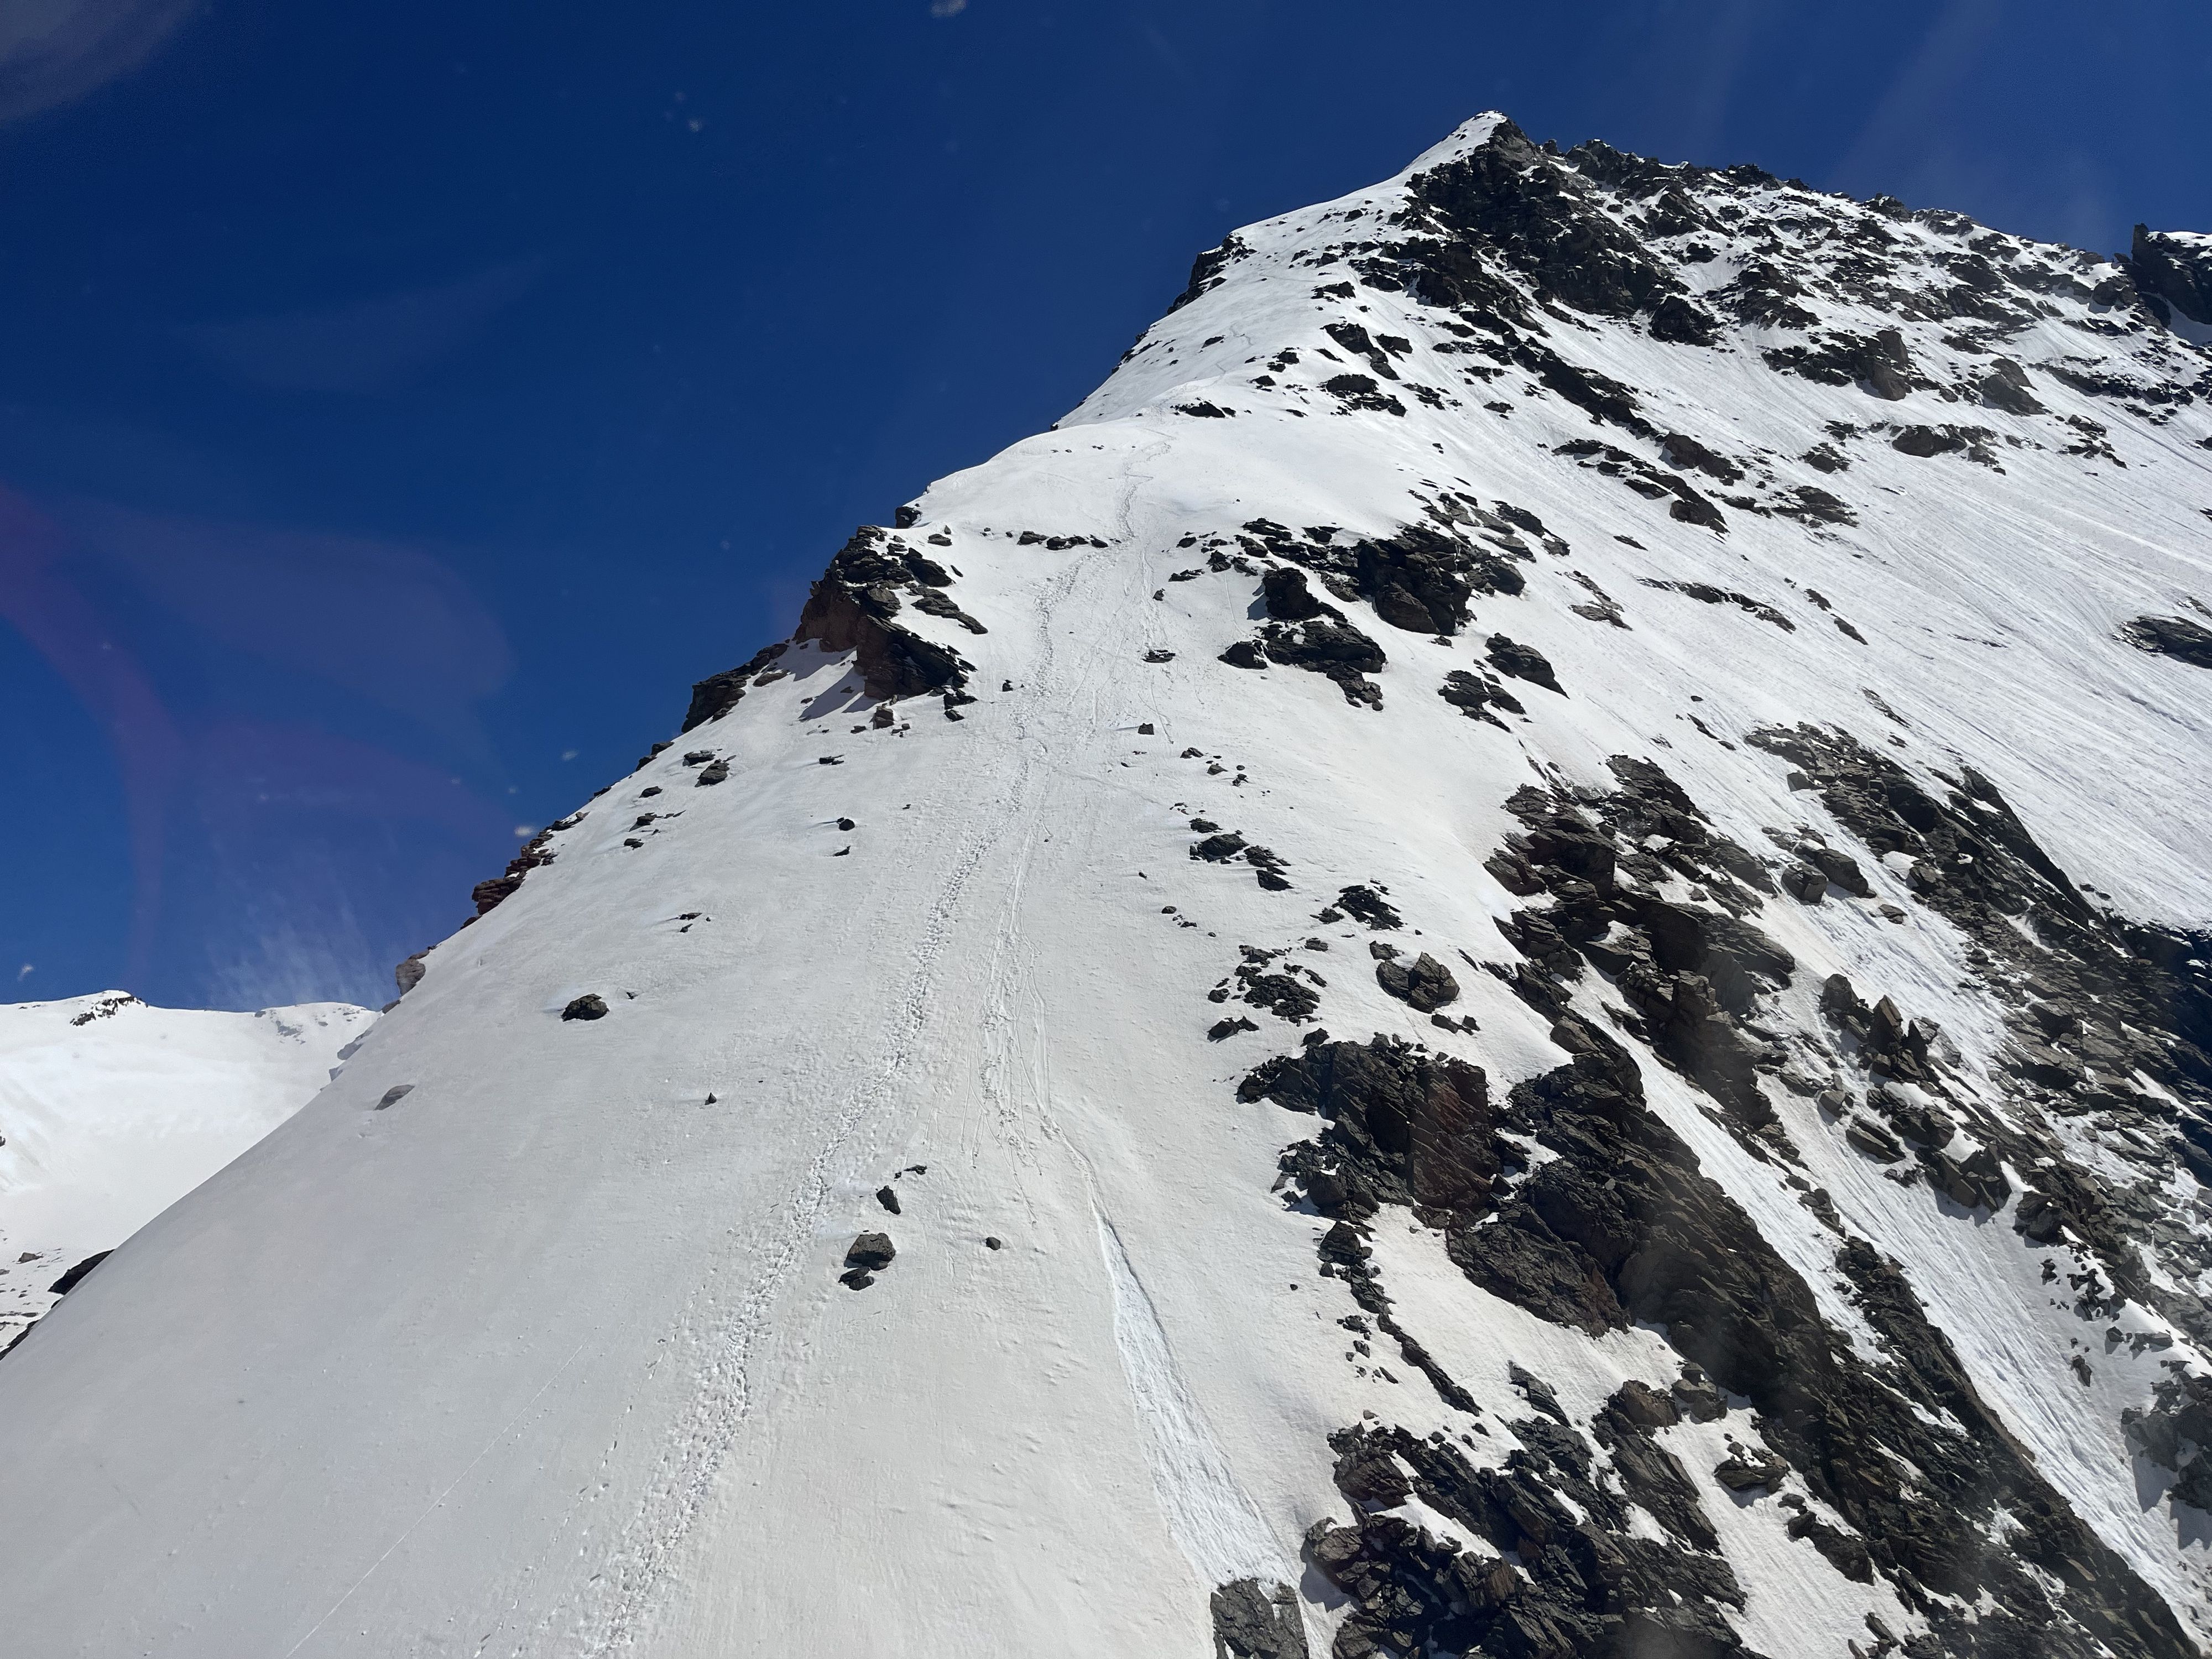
x=1505 y=958
x=111 y=1111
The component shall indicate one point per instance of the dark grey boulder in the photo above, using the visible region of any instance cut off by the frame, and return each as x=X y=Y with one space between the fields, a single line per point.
x=1644 y=1407
x=1841 y=868
x=1748 y=1467
x=1805 y=883
x=1426 y=984
x=871 y=1250
x=871 y=1253
x=1521 y=662
x=1924 y=441
x=1250 y=1622
x=1696 y=1397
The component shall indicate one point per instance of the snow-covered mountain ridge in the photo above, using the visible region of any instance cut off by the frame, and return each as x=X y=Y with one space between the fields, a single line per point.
x=1505 y=958
x=109 y=1111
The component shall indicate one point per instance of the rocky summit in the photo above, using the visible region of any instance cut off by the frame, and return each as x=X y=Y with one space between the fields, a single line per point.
x=1507 y=956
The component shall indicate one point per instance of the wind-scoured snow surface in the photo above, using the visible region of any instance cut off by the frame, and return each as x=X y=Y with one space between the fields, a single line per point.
x=111 y=1111
x=1519 y=929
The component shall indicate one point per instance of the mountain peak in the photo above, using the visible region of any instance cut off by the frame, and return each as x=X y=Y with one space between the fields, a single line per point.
x=1508 y=956
x=1492 y=127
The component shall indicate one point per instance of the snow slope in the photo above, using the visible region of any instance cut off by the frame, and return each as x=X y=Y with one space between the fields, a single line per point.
x=1315 y=887
x=112 y=1111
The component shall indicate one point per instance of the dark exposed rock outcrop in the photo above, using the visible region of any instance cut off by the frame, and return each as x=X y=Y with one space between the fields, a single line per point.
x=2175 y=1432
x=1685 y=501
x=1690 y=975
x=2172 y=272
x=1621 y=1225
x=852 y=607
x=1421 y=579
x=1255 y=1621
x=715 y=695
x=2170 y=637
x=2093 y=1001
x=1579 y=1581
x=1400 y=1125
x=487 y=896
x=1330 y=647
x=1543 y=222
x=1880 y=365
x=1477 y=695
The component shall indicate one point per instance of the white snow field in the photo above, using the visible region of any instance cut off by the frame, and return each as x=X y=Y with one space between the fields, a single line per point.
x=552 y=1355
x=111 y=1110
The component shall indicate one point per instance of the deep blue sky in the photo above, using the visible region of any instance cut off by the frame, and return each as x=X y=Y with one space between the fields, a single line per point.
x=400 y=405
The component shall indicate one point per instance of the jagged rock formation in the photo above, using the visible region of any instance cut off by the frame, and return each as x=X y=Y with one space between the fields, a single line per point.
x=2172 y=272
x=1520 y=933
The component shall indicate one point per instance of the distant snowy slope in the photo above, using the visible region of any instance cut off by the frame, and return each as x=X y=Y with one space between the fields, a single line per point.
x=112 y=1111
x=1509 y=957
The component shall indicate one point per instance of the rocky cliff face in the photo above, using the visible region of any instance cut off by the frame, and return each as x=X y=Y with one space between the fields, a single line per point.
x=1509 y=957
x=2172 y=273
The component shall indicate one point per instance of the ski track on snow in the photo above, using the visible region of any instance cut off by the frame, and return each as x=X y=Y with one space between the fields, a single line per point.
x=1214 y=1524
x=724 y=1397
